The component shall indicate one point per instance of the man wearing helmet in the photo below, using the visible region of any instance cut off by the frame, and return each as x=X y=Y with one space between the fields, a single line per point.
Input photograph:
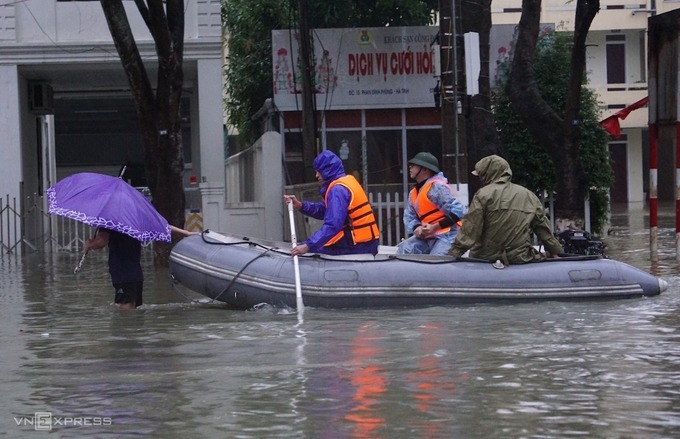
x=432 y=211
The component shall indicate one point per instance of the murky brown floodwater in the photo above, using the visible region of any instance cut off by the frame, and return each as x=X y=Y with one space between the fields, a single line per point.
x=179 y=368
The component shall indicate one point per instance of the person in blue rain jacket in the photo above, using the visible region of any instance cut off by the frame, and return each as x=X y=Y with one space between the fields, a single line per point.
x=349 y=225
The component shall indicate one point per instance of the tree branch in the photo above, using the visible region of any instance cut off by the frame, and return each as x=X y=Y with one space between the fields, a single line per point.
x=522 y=89
x=158 y=26
x=144 y=12
x=175 y=11
x=585 y=14
x=128 y=52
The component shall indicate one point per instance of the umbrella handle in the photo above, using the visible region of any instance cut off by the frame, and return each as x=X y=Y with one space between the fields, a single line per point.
x=80 y=264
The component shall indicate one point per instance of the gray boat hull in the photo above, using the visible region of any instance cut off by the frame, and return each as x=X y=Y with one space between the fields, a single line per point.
x=245 y=272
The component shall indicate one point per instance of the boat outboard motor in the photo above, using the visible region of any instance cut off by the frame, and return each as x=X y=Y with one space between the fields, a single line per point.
x=579 y=242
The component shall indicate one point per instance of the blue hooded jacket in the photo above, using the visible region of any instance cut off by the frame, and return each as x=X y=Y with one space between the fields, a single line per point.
x=334 y=215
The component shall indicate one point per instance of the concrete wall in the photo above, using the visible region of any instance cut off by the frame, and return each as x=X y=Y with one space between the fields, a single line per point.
x=256 y=210
x=209 y=162
x=10 y=127
x=49 y=21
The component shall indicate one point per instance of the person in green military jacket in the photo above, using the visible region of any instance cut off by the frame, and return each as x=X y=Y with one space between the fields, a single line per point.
x=500 y=218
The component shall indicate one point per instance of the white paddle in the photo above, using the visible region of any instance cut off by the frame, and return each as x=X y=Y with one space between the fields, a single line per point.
x=293 y=239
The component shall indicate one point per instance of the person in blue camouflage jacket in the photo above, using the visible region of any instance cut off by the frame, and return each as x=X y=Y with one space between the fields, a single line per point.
x=432 y=212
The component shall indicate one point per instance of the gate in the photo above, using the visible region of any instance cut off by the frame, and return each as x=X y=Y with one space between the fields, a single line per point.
x=28 y=227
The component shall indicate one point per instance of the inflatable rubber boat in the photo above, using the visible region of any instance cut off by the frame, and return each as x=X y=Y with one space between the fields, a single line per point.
x=244 y=272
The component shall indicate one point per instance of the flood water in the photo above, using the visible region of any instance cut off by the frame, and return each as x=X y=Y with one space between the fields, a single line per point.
x=183 y=367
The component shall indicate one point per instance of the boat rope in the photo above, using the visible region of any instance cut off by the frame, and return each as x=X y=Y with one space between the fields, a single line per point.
x=174 y=283
x=239 y=273
x=246 y=240
x=433 y=261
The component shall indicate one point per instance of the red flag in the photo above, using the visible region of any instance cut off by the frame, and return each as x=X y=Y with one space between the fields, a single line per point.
x=612 y=125
x=622 y=114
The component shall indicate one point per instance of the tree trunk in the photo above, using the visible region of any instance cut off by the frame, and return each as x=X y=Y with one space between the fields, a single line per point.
x=559 y=136
x=480 y=124
x=158 y=112
x=306 y=55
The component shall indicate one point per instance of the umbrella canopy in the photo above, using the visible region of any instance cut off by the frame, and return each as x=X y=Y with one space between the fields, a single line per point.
x=108 y=202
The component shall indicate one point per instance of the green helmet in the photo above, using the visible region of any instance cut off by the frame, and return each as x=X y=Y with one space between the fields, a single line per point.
x=426 y=160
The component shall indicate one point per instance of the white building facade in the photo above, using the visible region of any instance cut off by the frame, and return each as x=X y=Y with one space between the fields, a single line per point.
x=617 y=71
x=66 y=105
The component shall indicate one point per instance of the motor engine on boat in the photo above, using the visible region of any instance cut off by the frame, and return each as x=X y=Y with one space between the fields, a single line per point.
x=580 y=242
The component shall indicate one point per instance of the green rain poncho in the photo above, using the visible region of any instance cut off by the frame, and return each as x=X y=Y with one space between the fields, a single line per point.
x=500 y=218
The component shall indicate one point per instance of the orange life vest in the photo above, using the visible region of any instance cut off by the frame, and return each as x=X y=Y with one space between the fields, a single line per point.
x=362 y=224
x=426 y=210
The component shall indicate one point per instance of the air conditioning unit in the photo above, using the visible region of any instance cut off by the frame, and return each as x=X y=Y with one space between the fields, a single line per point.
x=40 y=98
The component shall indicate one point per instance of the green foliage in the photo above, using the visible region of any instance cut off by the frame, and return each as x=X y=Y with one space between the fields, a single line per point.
x=249 y=68
x=531 y=165
x=249 y=24
x=372 y=13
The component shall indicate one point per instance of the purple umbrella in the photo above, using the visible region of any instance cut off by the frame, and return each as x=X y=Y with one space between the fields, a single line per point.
x=108 y=202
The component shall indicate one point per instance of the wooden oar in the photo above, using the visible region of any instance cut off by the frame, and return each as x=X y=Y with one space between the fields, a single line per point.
x=293 y=239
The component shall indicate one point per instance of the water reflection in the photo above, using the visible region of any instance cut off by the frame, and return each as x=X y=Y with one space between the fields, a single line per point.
x=369 y=381
x=183 y=367
x=629 y=239
x=431 y=383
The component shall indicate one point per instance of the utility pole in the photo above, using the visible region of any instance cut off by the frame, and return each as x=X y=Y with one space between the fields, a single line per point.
x=449 y=91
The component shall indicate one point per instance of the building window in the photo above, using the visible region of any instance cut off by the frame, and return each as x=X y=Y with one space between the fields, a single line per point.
x=102 y=132
x=643 y=56
x=616 y=59
x=373 y=145
x=383 y=148
x=347 y=145
x=295 y=170
x=427 y=140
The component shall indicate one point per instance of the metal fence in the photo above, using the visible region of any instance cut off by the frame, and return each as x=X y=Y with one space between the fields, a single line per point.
x=389 y=212
x=27 y=227
x=11 y=235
